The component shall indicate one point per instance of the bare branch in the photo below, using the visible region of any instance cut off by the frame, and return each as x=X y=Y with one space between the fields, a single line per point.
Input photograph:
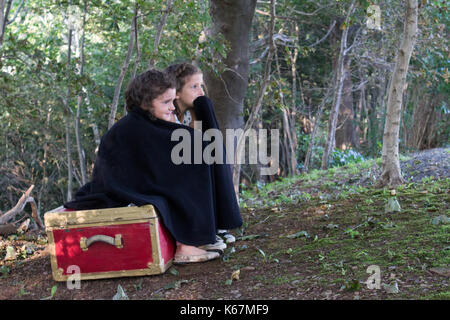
x=162 y=22
x=16 y=14
x=115 y=102
x=18 y=208
x=326 y=36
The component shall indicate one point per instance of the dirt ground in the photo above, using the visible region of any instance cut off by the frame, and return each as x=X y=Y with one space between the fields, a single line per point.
x=272 y=260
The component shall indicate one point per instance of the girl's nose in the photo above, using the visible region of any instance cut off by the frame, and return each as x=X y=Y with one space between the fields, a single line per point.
x=201 y=92
x=171 y=107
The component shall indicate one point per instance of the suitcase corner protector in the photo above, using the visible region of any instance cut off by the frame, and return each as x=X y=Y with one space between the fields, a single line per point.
x=58 y=275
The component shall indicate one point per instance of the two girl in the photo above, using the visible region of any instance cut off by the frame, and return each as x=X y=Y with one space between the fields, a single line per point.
x=134 y=164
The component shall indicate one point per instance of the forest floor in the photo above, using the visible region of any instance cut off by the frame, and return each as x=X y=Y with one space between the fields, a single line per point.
x=309 y=237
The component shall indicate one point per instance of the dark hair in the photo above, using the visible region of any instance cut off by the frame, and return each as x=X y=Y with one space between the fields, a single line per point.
x=180 y=71
x=145 y=87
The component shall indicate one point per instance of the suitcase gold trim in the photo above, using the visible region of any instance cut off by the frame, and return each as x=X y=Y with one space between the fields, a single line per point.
x=106 y=217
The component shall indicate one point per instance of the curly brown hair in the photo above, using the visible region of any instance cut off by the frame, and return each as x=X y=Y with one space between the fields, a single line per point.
x=145 y=87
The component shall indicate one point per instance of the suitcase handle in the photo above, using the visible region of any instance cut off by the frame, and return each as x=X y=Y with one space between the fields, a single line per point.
x=86 y=242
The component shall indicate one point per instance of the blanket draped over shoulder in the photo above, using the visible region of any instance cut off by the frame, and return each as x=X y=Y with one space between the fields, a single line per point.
x=134 y=165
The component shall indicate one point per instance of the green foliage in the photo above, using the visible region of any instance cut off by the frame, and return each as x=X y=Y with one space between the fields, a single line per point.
x=40 y=88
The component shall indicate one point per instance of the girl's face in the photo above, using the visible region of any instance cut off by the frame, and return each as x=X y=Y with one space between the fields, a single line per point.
x=162 y=106
x=192 y=89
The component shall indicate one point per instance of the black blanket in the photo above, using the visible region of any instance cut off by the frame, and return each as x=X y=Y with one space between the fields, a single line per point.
x=134 y=165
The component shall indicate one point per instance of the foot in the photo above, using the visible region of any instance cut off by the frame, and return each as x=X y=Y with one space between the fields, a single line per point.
x=218 y=246
x=190 y=254
x=228 y=237
x=185 y=250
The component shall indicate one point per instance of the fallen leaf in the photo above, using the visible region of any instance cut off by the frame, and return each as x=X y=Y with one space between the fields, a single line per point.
x=262 y=252
x=392 y=206
x=235 y=275
x=298 y=235
x=175 y=285
x=391 y=288
x=120 y=295
x=174 y=271
x=440 y=219
x=250 y=237
x=10 y=253
x=441 y=271
x=249 y=268
x=24 y=226
x=52 y=293
x=353 y=286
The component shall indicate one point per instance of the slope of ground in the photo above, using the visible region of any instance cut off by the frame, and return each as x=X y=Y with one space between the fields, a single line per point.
x=309 y=237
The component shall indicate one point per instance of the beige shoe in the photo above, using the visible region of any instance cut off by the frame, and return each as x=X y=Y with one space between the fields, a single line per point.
x=185 y=259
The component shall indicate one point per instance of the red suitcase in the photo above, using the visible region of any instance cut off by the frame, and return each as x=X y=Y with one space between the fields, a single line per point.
x=108 y=243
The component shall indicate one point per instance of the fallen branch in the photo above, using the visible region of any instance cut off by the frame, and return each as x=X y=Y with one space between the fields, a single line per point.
x=7 y=229
x=18 y=208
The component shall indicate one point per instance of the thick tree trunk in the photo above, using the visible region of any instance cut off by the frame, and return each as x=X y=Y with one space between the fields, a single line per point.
x=233 y=20
x=391 y=173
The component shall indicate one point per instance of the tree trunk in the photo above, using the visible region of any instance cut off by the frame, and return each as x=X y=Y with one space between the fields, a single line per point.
x=137 y=58
x=372 y=133
x=2 y=20
x=81 y=157
x=293 y=111
x=312 y=138
x=69 y=161
x=345 y=134
x=162 y=22
x=391 y=173
x=68 y=113
x=288 y=139
x=93 y=124
x=115 y=102
x=233 y=20
x=330 y=143
x=255 y=112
